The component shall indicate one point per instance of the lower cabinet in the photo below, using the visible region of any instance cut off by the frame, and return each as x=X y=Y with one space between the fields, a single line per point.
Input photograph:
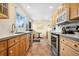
x=27 y=41
x=16 y=46
x=14 y=50
x=3 y=53
x=68 y=48
x=22 y=48
x=3 y=48
x=67 y=51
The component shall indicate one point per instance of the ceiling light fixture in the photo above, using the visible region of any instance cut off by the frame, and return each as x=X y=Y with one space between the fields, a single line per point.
x=28 y=6
x=50 y=7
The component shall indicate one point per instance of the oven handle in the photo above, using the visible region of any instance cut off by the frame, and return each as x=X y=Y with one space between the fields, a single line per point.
x=55 y=36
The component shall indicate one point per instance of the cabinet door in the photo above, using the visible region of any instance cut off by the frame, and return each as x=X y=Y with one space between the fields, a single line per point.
x=78 y=9
x=27 y=42
x=3 y=53
x=3 y=10
x=14 y=50
x=67 y=51
x=73 y=10
x=54 y=18
x=71 y=42
x=66 y=6
x=3 y=45
x=22 y=48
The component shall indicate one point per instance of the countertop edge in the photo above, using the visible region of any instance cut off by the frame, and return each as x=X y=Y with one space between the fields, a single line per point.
x=71 y=37
x=9 y=37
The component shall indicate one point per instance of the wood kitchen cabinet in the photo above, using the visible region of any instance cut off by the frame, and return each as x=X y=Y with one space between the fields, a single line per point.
x=3 y=53
x=3 y=10
x=22 y=48
x=15 y=46
x=78 y=8
x=23 y=44
x=3 y=48
x=67 y=51
x=14 y=50
x=28 y=41
x=54 y=18
x=73 y=10
x=69 y=47
x=66 y=7
x=60 y=9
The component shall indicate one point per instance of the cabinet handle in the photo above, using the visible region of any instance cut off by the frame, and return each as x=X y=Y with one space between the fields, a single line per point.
x=63 y=40
x=63 y=48
x=75 y=45
x=11 y=51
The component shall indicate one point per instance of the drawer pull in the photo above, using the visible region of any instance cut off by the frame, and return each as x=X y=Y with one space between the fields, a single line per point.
x=63 y=48
x=63 y=40
x=11 y=51
x=75 y=45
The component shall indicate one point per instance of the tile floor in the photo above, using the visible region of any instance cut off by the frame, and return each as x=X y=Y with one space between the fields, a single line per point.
x=40 y=48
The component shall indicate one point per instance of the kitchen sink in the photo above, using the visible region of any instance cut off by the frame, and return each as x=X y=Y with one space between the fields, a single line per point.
x=19 y=32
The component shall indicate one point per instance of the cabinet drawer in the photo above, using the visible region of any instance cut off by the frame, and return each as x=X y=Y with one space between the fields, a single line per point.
x=70 y=42
x=13 y=41
x=3 y=45
x=14 y=50
x=67 y=51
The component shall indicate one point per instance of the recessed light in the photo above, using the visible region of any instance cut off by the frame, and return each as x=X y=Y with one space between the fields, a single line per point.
x=50 y=7
x=28 y=6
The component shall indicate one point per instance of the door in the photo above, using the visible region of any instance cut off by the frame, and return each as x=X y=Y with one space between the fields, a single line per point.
x=3 y=53
x=73 y=10
x=78 y=9
x=14 y=50
x=3 y=48
x=67 y=51
x=22 y=47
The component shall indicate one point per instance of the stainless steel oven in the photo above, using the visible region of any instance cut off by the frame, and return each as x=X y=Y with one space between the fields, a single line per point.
x=55 y=44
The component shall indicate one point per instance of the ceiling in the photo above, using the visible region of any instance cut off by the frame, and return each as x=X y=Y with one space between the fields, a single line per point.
x=40 y=11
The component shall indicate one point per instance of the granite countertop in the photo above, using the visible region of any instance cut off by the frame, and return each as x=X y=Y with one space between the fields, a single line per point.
x=72 y=36
x=10 y=35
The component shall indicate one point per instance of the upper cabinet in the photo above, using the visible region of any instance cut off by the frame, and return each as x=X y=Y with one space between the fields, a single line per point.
x=78 y=8
x=73 y=11
x=54 y=15
x=3 y=10
x=66 y=12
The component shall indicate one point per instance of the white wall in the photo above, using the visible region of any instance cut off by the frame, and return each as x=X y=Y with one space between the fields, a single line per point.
x=5 y=24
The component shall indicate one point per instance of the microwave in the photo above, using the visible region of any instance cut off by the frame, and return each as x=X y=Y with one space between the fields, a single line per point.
x=62 y=17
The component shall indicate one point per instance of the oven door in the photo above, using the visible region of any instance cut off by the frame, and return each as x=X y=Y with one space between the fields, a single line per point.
x=54 y=44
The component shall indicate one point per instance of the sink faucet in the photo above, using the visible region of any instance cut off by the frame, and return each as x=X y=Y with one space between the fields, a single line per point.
x=13 y=27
